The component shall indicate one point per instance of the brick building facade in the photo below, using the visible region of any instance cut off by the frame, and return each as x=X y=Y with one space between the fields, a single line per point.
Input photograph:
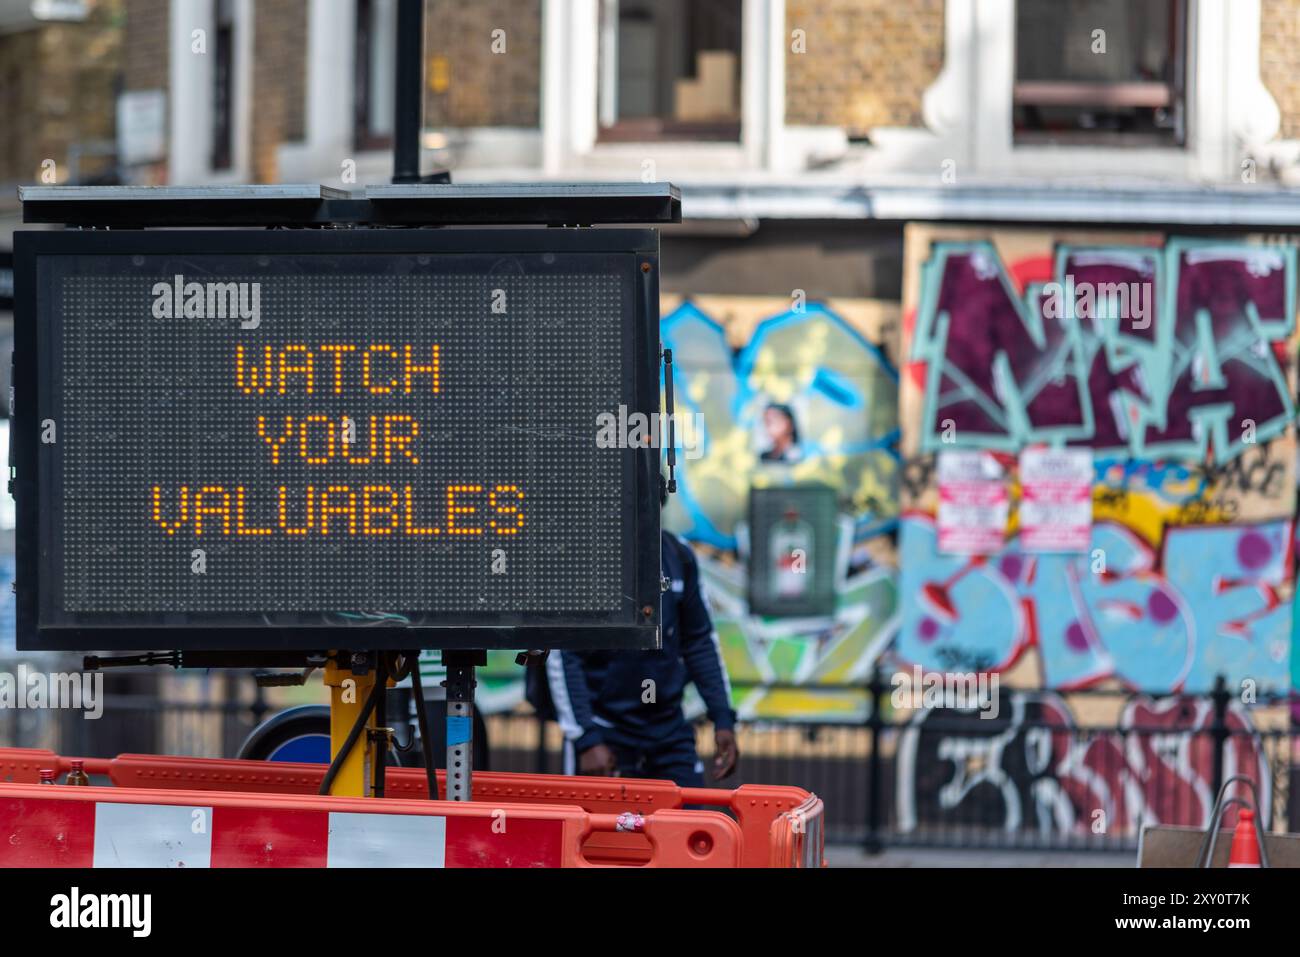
x=1279 y=53
x=58 y=83
x=145 y=54
x=468 y=83
x=526 y=84
x=866 y=63
x=279 y=81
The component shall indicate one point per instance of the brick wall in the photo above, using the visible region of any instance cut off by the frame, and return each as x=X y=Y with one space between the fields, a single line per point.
x=19 y=95
x=279 y=81
x=145 y=59
x=146 y=62
x=468 y=84
x=58 y=86
x=867 y=62
x=1279 y=59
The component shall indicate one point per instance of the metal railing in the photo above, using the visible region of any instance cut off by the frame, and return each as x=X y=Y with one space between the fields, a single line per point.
x=1052 y=772
x=149 y=711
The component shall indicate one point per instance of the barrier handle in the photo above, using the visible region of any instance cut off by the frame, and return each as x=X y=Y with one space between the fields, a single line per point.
x=102 y=766
x=22 y=765
x=718 y=797
x=678 y=838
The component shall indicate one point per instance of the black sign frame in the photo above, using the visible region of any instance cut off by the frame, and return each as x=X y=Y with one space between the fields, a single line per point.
x=638 y=624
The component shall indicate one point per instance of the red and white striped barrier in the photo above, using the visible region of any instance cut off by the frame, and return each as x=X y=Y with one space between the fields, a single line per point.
x=95 y=827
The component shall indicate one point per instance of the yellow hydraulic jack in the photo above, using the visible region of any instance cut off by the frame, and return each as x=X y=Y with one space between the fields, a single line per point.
x=351 y=685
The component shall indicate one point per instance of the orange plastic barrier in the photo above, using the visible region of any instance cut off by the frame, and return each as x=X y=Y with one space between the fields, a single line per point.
x=626 y=821
x=798 y=837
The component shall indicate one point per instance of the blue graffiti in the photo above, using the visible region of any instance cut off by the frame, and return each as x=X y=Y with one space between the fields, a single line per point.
x=1209 y=603
x=841 y=390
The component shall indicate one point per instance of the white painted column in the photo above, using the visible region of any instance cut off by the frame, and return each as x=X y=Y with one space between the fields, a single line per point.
x=189 y=92
x=947 y=105
x=762 y=88
x=570 y=44
x=331 y=92
x=993 y=82
x=607 y=56
x=241 y=153
x=1248 y=116
x=555 y=43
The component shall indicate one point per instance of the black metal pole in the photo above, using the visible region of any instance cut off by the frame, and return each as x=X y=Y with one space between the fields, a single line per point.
x=410 y=91
x=426 y=740
x=875 y=723
x=259 y=707
x=1219 y=733
x=379 y=754
x=541 y=761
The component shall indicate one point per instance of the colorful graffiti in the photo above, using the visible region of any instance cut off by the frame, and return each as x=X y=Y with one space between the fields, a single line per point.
x=1207 y=603
x=1172 y=362
x=1153 y=353
x=1032 y=770
x=842 y=391
x=840 y=387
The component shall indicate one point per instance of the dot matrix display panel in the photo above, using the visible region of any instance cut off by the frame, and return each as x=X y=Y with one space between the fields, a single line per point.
x=297 y=440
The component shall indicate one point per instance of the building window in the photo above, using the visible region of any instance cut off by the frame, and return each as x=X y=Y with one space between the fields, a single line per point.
x=1100 y=71
x=223 y=85
x=670 y=70
x=376 y=65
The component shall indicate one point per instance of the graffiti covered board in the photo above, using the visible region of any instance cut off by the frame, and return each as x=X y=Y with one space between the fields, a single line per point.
x=777 y=394
x=1172 y=361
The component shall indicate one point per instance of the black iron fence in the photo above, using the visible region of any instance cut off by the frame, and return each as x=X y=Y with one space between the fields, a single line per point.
x=1043 y=771
x=1047 y=771
x=147 y=711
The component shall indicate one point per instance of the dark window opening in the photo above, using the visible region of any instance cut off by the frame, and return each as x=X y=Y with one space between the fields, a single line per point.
x=375 y=74
x=672 y=70
x=1100 y=71
x=223 y=90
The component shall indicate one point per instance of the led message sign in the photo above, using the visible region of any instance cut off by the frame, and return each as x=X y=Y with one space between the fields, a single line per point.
x=246 y=439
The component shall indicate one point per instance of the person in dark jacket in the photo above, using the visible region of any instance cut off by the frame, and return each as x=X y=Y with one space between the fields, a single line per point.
x=621 y=711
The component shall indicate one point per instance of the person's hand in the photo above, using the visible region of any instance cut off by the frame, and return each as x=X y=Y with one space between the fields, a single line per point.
x=726 y=755
x=599 y=760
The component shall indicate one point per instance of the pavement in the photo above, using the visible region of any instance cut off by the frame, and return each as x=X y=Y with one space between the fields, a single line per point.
x=850 y=856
